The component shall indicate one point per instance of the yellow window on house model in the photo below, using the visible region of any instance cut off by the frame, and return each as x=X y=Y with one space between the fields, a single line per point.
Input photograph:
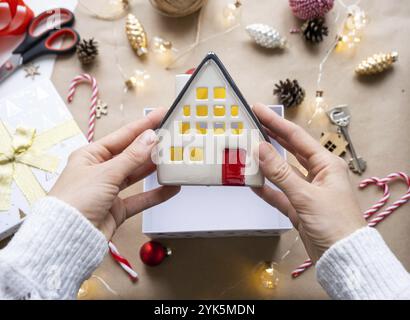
x=187 y=111
x=219 y=110
x=234 y=110
x=219 y=93
x=202 y=93
x=237 y=127
x=201 y=111
x=184 y=127
x=196 y=154
x=177 y=153
x=219 y=128
x=201 y=127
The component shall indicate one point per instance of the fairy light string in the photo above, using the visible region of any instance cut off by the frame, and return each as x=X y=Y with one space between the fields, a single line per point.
x=266 y=272
x=198 y=40
x=337 y=39
x=319 y=106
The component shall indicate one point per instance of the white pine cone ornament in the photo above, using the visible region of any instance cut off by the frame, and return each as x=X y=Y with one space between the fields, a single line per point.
x=266 y=36
x=136 y=35
x=377 y=63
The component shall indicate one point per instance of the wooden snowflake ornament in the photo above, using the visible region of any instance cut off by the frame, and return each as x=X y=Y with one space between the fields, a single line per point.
x=31 y=71
x=210 y=135
x=101 y=109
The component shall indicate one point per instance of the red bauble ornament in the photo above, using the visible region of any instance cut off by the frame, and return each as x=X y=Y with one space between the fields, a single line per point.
x=152 y=253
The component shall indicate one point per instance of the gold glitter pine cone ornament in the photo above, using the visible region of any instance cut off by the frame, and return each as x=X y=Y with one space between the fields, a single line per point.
x=136 y=34
x=377 y=63
x=177 y=8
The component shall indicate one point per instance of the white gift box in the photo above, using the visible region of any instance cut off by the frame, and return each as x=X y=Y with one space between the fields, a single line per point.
x=213 y=211
x=37 y=106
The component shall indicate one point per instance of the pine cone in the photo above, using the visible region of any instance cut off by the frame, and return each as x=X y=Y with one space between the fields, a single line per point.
x=377 y=63
x=314 y=30
x=289 y=93
x=87 y=51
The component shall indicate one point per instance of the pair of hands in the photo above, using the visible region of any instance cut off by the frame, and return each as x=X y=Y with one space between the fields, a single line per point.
x=321 y=206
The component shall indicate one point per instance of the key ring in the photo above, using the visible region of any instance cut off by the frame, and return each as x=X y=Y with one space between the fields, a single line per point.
x=340 y=115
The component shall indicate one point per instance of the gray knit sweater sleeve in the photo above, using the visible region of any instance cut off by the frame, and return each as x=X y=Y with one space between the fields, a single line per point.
x=361 y=266
x=54 y=251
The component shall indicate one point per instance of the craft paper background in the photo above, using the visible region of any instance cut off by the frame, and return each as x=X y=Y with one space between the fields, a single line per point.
x=221 y=268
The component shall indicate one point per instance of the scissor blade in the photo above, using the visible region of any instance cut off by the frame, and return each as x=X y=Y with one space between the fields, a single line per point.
x=10 y=66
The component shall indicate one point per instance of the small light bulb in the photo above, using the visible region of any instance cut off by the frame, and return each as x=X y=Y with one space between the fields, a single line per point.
x=268 y=275
x=319 y=107
x=163 y=50
x=231 y=13
x=83 y=291
x=351 y=33
x=137 y=80
x=161 y=45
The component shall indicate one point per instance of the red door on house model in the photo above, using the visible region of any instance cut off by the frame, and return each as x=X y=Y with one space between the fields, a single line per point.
x=233 y=167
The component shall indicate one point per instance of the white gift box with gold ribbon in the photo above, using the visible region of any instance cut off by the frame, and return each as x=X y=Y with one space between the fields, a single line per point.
x=37 y=134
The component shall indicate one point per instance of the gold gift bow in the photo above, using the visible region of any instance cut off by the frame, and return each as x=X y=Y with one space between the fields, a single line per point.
x=26 y=149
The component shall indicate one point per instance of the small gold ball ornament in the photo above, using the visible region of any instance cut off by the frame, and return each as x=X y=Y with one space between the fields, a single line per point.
x=177 y=8
x=136 y=34
x=377 y=63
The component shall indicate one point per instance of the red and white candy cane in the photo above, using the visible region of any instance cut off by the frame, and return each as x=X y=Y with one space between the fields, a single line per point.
x=383 y=183
x=94 y=98
x=122 y=261
x=390 y=209
x=302 y=268
x=386 y=194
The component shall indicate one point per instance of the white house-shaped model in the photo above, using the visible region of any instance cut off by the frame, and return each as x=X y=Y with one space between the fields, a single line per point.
x=210 y=135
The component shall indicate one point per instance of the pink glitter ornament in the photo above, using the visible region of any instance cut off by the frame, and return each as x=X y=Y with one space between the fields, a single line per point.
x=310 y=9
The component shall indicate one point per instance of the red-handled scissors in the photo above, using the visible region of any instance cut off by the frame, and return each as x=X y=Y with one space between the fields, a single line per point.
x=43 y=33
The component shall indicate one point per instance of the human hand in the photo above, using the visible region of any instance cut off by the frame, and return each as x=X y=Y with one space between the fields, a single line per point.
x=96 y=173
x=321 y=206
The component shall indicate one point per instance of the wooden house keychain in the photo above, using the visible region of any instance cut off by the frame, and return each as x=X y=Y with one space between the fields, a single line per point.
x=334 y=142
